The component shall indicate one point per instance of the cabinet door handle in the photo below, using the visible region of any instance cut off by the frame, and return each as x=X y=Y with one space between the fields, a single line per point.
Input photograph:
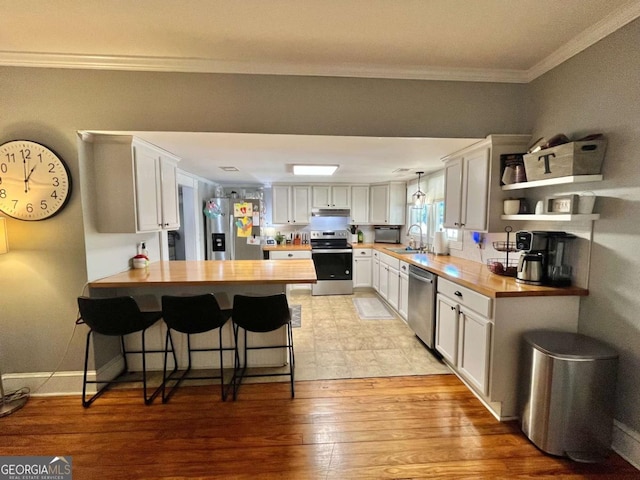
x=363 y=253
x=290 y=255
x=457 y=293
x=453 y=308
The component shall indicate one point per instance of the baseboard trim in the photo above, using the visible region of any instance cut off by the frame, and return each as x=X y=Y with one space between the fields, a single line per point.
x=45 y=384
x=626 y=443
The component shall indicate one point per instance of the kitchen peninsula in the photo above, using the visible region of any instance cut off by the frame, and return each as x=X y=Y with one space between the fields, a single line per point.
x=224 y=278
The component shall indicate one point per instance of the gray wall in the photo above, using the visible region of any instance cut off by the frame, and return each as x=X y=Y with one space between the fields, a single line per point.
x=599 y=91
x=50 y=261
x=46 y=268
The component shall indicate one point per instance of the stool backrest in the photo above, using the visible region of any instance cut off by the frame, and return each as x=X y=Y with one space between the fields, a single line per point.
x=261 y=314
x=111 y=316
x=193 y=313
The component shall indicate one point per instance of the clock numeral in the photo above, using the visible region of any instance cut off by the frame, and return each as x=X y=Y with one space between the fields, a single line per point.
x=29 y=207
x=54 y=194
x=52 y=168
x=56 y=182
x=43 y=205
x=11 y=157
x=4 y=168
x=3 y=193
x=26 y=154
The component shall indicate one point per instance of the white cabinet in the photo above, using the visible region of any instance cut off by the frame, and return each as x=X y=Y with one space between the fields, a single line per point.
x=474 y=349
x=447 y=328
x=480 y=338
x=359 y=204
x=387 y=203
x=389 y=278
x=393 y=294
x=463 y=332
x=466 y=191
x=362 y=267
x=375 y=271
x=135 y=184
x=473 y=197
x=332 y=196
x=291 y=204
x=403 y=297
x=289 y=254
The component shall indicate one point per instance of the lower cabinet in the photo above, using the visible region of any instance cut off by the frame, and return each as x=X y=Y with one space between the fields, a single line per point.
x=291 y=255
x=480 y=338
x=403 y=297
x=375 y=271
x=463 y=334
x=474 y=350
x=362 y=267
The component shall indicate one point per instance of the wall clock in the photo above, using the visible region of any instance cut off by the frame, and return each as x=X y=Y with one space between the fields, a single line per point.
x=35 y=183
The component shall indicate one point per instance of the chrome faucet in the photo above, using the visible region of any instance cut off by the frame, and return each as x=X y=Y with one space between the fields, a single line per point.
x=421 y=248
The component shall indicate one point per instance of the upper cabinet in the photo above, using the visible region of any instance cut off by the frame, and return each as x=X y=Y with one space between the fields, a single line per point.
x=135 y=185
x=471 y=202
x=359 y=204
x=387 y=203
x=291 y=204
x=331 y=196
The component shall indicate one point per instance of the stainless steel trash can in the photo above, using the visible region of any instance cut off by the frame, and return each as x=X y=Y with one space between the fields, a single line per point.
x=567 y=394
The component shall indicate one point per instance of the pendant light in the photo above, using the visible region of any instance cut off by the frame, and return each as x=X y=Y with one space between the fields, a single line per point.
x=419 y=197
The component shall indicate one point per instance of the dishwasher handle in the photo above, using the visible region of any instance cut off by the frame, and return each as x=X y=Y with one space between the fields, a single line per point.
x=420 y=278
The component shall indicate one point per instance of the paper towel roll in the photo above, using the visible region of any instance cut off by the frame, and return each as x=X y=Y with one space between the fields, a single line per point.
x=440 y=246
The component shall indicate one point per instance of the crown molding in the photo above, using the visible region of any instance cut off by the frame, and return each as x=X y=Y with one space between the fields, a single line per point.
x=201 y=65
x=597 y=32
x=592 y=35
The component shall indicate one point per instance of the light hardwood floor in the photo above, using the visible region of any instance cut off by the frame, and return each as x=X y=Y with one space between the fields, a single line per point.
x=375 y=428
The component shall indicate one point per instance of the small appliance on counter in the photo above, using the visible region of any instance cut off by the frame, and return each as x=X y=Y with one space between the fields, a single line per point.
x=387 y=234
x=543 y=258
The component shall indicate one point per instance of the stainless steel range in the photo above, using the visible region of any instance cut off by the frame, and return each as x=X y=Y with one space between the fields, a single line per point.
x=333 y=258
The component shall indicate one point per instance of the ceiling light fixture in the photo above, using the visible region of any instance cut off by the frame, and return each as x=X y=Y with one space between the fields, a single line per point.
x=229 y=169
x=419 y=197
x=314 y=169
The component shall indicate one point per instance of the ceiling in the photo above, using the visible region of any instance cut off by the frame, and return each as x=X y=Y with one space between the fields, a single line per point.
x=472 y=40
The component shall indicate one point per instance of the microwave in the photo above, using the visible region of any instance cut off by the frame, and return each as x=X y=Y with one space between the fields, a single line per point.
x=387 y=234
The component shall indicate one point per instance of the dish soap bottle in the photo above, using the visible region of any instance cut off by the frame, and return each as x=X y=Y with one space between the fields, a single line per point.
x=360 y=236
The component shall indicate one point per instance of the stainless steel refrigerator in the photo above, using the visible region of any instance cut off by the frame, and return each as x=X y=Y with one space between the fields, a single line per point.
x=232 y=227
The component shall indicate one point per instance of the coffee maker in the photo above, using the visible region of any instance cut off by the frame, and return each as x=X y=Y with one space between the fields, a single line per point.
x=543 y=259
x=532 y=263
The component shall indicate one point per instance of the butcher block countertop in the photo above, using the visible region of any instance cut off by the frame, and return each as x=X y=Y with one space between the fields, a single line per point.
x=474 y=275
x=213 y=272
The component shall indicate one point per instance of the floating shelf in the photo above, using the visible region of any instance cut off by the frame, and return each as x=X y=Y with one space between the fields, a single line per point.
x=555 y=217
x=554 y=181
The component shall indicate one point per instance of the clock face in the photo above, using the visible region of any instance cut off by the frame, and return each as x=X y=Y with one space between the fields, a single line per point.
x=34 y=182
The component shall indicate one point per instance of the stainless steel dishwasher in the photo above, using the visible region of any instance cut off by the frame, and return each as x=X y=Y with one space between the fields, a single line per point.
x=422 y=305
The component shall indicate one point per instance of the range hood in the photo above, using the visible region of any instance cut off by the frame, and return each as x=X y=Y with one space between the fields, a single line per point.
x=331 y=212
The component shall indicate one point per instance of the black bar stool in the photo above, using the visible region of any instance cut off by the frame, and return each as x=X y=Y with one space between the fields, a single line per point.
x=261 y=315
x=117 y=316
x=191 y=315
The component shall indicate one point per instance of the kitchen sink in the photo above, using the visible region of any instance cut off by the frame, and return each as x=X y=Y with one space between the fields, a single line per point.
x=408 y=251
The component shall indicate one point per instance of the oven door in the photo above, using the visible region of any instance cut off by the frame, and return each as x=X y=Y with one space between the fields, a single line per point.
x=333 y=264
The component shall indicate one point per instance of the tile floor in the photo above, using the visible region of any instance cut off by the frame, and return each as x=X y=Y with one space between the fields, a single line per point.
x=333 y=342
